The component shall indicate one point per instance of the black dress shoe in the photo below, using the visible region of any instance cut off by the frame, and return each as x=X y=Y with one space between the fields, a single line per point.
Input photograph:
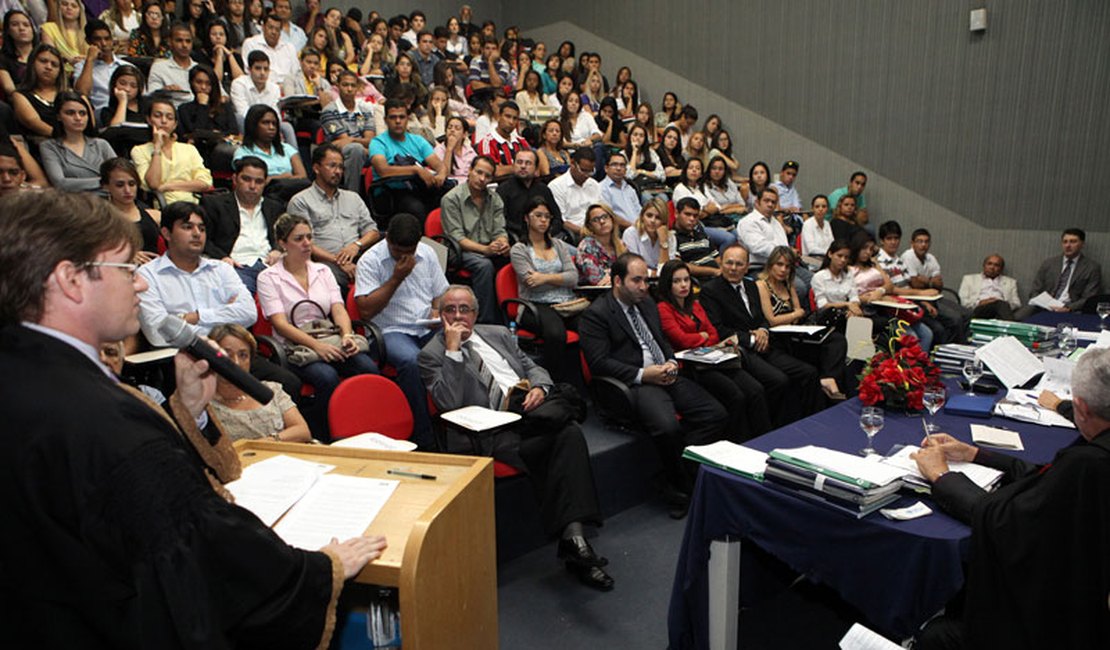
x=576 y=550
x=594 y=577
x=678 y=510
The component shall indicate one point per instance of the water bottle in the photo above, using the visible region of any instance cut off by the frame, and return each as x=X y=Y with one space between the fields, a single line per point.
x=512 y=328
x=383 y=619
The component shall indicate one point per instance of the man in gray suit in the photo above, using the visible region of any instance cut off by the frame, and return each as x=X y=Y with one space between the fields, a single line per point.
x=1071 y=277
x=480 y=365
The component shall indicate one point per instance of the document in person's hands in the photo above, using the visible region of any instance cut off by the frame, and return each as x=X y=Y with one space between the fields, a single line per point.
x=862 y=638
x=337 y=506
x=983 y=476
x=982 y=434
x=270 y=487
x=480 y=418
x=1010 y=361
x=839 y=465
x=1057 y=377
x=730 y=457
x=1044 y=300
x=711 y=356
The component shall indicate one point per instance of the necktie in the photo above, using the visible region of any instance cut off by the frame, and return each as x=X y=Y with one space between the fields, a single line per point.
x=1065 y=277
x=493 y=391
x=743 y=298
x=645 y=337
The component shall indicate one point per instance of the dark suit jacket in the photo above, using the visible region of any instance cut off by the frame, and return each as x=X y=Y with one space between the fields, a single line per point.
x=610 y=345
x=222 y=221
x=455 y=384
x=1086 y=279
x=726 y=310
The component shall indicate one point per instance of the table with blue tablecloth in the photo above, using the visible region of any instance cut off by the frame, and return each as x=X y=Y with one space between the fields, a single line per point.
x=1085 y=322
x=897 y=573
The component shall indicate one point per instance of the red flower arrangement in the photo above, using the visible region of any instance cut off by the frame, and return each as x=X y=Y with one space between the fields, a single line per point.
x=898 y=378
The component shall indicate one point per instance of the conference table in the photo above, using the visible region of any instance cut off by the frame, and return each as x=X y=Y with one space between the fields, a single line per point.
x=897 y=573
x=1085 y=322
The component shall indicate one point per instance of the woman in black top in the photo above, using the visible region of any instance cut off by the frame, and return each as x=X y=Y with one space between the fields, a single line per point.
x=124 y=98
x=33 y=103
x=20 y=39
x=205 y=121
x=120 y=179
x=215 y=53
x=670 y=155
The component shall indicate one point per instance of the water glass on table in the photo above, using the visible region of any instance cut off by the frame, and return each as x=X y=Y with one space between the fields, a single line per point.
x=1103 y=310
x=871 y=421
x=933 y=399
x=973 y=370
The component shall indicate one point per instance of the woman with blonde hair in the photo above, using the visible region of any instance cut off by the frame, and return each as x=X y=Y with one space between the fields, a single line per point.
x=600 y=247
x=68 y=33
x=649 y=237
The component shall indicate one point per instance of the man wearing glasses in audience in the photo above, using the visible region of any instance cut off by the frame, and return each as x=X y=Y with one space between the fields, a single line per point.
x=576 y=190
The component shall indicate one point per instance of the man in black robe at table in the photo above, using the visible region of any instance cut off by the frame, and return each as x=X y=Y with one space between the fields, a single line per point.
x=1039 y=570
x=118 y=533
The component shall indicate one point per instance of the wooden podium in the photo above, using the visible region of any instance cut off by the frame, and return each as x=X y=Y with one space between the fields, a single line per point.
x=442 y=553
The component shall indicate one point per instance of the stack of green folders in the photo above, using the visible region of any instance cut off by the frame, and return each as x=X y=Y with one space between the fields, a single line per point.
x=1038 y=338
x=846 y=482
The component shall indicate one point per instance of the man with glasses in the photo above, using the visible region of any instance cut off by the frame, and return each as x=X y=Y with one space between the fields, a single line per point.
x=576 y=190
x=465 y=364
x=618 y=193
x=341 y=224
x=474 y=217
x=517 y=192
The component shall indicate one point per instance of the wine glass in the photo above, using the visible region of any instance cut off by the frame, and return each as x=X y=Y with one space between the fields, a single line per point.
x=1103 y=311
x=933 y=399
x=871 y=421
x=973 y=370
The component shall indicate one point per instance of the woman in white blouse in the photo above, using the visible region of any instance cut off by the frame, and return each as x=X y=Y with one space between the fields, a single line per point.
x=817 y=235
x=579 y=128
x=834 y=286
x=650 y=238
x=692 y=184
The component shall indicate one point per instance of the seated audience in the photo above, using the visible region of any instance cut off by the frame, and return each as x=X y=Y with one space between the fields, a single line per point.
x=697 y=149
x=151 y=39
x=781 y=306
x=205 y=121
x=924 y=273
x=342 y=227
x=280 y=55
x=579 y=127
x=687 y=118
x=843 y=220
x=241 y=223
x=398 y=283
x=601 y=245
x=872 y=283
x=171 y=168
x=72 y=158
x=613 y=134
x=125 y=97
x=243 y=417
x=816 y=232
x=474 y=217
x=405 y=74
x=622 y=337
x=554 y=158
x=20 y=40
x=691 y=184
x=1039 y=566
x=262 y=138
x=171 y=75
x=890 y=238
x=33 y=102
x=721 y=147
x=348 y=123
x=66 y=32
x=617 y=192
x=687 y=326
x=15 y=173
x=650 y=238
x=990 y=294
x=258 y=88
x=789 y=201
x=517 y=193
x=576 y=190
x=92 y=74
x=455 y=152
x=834 y=286
x=397 y=153
x=694 y=245
x=489 y=70
x=856 y=183
x=732 y=303
x=1071 y=277
x=644 y=169
x=120 y=179
x=218 y=53
x=547 y=444
x=720 y=189
x=759 y=177
x=291 y=282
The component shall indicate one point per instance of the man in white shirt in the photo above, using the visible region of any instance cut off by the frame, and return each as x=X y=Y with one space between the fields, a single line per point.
x=172 y=74
x=257 y=87
x=281 y=55
x=760 y=233
x=990 y=294
x=924 y=272
x=618 y=193
x=576 y=190
x=290 y=32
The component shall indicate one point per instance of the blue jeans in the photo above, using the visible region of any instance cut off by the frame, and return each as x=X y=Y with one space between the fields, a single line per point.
x=481 y=281
x=249 y=275
x=324 y=378
x=401 y=352
x=719 y=237
x=924 y=335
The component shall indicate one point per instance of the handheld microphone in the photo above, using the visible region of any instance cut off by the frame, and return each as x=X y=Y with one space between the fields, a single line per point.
x=178 y=334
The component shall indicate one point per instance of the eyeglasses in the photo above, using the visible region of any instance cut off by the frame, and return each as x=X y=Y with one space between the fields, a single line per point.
x=599 y=218
x=461 y=310
x=127 y=266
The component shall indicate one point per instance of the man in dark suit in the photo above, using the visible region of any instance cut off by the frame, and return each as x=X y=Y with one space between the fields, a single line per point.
x=1071 y=277
x=480 y=365
x=241 y=224
x=622 y=338
x=104 y=492
x=732 y=303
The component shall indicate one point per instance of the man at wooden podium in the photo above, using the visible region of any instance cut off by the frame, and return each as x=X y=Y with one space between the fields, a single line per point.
x=114 y=536
x=480 y=365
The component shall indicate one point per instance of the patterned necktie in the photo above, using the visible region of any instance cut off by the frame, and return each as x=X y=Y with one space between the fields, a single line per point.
x=493 y=391
x=645 y=336
x=1065 y=277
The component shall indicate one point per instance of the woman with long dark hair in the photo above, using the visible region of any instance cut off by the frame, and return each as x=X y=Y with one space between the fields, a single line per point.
x=166 y=165
x=20 y=40
x=405 y=72
x=216 y=53
x=72 y=158
x=120 y=179
x=33 y=103
x=124 y=97
x=669 y=111
x=669 y=150
x=721 y=147
x=759 y=177
x=687 y=326
x=455 y=151
x=262 y=138
x=209 y=118
x=554 y=158
x=601 y=245
x=152 y=38
x=579 y=127
x=873 y=283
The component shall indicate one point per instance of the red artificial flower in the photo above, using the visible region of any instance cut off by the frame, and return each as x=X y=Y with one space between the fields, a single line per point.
x=915 y=399
x=869 y=391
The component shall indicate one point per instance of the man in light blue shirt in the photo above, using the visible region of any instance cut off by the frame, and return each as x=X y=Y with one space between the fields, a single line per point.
x=397 y=285
x=93 y=74
x=618 y=193
x=855 y=187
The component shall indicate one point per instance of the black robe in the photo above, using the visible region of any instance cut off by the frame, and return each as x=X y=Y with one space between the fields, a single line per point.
x=113 y=534
x=1039 y=572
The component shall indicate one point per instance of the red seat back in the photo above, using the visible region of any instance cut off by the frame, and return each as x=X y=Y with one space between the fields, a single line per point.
x=369 y=403
x=507 y=288
x=261 y=324
x=433 y=224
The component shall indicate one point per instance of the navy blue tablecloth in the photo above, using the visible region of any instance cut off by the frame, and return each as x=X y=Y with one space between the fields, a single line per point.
x=897 y=573
x=1085 y=322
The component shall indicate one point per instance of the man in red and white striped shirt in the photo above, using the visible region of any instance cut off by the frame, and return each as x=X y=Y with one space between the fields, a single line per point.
x=503 y=142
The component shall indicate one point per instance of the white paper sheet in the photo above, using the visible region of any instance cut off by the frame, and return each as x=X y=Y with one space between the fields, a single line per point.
x=729 y=454
x=375 y=441
x=981 y=475
x=337 y=506
x=270 y=487
x=981 y=434
x=1102 y=341
x=1057 y=376
x=1022 y=406
x=1044 y=300
x=1010 y=361
x=479 y=418
x=861 y=638
x=798 y=329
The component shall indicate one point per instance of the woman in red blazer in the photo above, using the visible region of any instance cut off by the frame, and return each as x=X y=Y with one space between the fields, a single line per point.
x=686 y=326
